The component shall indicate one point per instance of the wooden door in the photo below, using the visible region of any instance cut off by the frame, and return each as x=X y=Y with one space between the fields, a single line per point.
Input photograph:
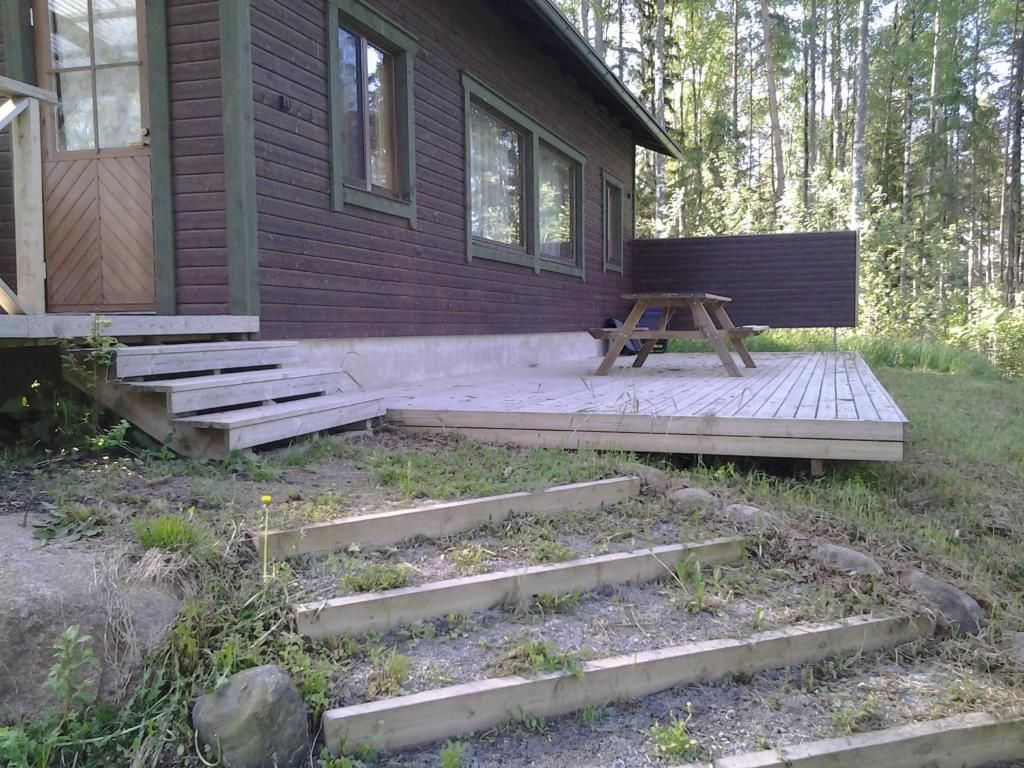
x=98 y=218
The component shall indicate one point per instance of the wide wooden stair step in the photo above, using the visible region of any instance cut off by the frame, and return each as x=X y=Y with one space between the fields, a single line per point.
x=429 y=716
x=970 y=740
x=260 y=425
x=164 y=359
x=384 y=611
x=217 y=391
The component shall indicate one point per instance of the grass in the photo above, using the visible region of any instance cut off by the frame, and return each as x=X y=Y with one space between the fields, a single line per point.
x=673 y=739
x=536 y=657
x=888 y=352
x=172 y=533
x=369 y=576
x=389 y=671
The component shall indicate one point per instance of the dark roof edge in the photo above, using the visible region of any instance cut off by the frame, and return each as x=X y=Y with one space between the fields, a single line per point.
x=657 y=138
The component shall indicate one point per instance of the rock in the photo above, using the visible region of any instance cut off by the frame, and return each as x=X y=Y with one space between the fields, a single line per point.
x=752 y=517
x=48 y=588
x=1017 y=647
x=955 y=608
x=691 y=500
x=845 y=559
x=256 y=719
x=652 y=479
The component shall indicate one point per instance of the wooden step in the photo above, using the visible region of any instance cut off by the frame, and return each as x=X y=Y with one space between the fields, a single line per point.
x=248 y=427
x=436 y=521
x=429 y=716
x=384 y=611
x=202 y=393
x=969 y=740
x=162 y=359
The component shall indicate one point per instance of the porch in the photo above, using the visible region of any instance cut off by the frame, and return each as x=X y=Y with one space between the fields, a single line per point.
x=793 y=405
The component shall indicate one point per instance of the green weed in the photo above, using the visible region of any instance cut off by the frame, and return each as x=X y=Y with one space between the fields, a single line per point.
x=451 y=754
x=389 y=671
x=673 y=739
x=366 y=576
x=537 y=656
x=551 y=551
x=593 y=713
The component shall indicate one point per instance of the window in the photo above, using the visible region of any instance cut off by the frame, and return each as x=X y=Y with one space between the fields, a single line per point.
x=613 y=223
x=96 y=67
x=372 y=112
x=524 y=188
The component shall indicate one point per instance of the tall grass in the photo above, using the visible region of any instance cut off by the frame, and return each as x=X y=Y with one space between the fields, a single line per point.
x=888 y=351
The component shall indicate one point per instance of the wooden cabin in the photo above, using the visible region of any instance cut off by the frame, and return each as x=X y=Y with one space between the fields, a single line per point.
x=384 y=191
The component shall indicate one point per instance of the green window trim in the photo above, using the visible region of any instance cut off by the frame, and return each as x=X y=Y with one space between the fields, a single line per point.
x=535 y=134
x=610 y=180
x=402 y=46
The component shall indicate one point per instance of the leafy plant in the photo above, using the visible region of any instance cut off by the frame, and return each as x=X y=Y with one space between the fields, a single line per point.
x=537 y=656
x=550 y=551
x=71 y=521
x=673 y=739
x=451 y=754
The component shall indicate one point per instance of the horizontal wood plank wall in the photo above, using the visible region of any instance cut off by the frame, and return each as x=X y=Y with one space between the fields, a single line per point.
x=791 y=280
x=359 y=273
x=7 y=258
x=197 y=155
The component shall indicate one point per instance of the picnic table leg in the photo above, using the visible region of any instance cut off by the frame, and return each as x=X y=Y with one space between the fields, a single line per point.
x=741 y=348
x=649 y=344
x=703 y=321
x=617 y=342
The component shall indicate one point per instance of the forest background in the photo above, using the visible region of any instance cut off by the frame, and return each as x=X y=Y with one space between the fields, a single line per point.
x=900 y=119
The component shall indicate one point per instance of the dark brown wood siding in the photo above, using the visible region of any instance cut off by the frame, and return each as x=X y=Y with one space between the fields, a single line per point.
x=7 y=262
x=804 y=280
x=197 y=155
x=359 y=273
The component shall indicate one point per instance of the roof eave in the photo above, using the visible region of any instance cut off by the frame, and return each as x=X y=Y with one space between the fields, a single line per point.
x=657 y=138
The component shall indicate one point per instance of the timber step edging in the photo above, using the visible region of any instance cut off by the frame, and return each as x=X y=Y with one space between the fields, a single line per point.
x=384 y=611
x=970 y=740
x=263 y=414
x=433 y=715
x=439 y=520
x=209 y=392
x=165 y=359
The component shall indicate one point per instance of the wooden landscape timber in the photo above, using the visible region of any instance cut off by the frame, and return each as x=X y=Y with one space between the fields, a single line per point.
x=424 y=717
x=439 y=520
x=387 y=610
x=962 y=741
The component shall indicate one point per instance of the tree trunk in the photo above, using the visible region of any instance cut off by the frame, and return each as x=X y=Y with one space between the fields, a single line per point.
x=599 y=25
x=773 y=104
x=659 y=104
x=908 y=147
x=857 y=202
x=1012 y=215
x=812 y=128
x=736 y=71
x=622 y=40
x=838 y=142
x=585 y=19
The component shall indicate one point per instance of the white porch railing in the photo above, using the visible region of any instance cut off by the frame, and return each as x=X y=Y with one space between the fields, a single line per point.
x=19 y=108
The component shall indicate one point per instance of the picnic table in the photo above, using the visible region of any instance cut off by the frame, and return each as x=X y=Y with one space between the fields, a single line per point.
x=703 y=307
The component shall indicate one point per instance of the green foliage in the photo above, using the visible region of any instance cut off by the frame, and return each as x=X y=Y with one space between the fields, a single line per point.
x=551 y=551
x=71 y=521
x=369 y=576
x=173 y=533
x=673 y=739
x=537 y=656
x=389 y=671
x=451 y=754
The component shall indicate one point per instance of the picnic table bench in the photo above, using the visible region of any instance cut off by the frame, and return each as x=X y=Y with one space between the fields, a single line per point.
x=703 y=307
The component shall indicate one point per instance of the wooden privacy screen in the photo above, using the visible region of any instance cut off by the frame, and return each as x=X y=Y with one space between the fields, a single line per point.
x=790 y=280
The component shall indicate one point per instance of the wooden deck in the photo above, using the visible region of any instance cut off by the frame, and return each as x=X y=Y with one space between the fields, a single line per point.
x=793 y=405
x=24 y=330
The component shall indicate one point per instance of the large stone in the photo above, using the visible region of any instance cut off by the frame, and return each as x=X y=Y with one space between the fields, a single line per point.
x=691 y=500
x=955 y=607
x=256 y=719
x=752 y=517
x=845 y=559
x=46 y=589
x=652 y=479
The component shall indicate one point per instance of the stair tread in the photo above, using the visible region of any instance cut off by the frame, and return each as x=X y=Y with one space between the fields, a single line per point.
x=186 y=383
x=206 y=346
x=244 y=417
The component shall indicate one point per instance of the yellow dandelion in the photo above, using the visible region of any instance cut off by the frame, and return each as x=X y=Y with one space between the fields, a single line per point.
x=266 y=499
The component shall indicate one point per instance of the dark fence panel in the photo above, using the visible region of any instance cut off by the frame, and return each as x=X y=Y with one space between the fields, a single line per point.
x=789 y=280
